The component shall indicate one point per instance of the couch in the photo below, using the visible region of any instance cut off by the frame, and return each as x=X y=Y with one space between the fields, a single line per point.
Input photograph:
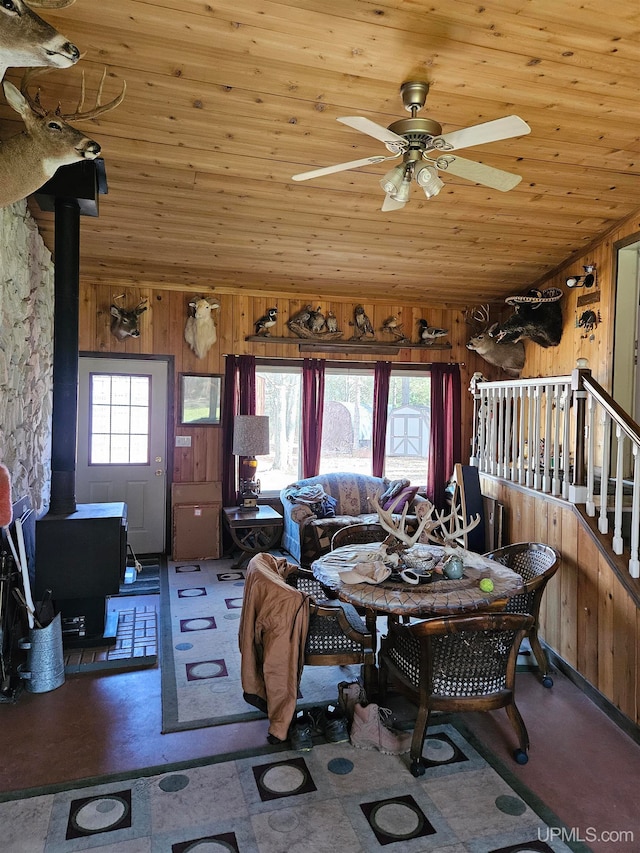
x=308 y=530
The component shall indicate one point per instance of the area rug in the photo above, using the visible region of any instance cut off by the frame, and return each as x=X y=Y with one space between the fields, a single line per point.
x=200 y=606
x=332 y=797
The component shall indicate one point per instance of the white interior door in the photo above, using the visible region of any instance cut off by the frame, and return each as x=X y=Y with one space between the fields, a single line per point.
x=122 y=443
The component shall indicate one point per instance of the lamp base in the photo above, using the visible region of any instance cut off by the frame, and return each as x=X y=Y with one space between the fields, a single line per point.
x=248 y=494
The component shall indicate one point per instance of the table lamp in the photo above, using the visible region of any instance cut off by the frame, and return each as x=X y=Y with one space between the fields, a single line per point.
x=250 y=439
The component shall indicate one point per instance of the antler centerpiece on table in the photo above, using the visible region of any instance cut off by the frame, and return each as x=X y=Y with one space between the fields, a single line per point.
x=434 y=527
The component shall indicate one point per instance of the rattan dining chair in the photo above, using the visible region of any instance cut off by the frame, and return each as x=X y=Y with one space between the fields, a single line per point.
x=337 y=635
x=455 y=663
x=358 y=534
x=536 y=564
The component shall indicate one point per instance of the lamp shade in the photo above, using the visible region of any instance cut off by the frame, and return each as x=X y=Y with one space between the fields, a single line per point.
x=250 y=435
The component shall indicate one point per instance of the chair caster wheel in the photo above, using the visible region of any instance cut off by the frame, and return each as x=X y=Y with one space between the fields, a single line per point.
x=417 y=768
x=547 y=681
x=520 y=756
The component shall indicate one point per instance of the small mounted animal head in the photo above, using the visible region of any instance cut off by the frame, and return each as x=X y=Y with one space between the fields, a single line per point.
x=27 y=41
x=200 y=329
x=537 y=316
x=124 y=322
x=30 y=158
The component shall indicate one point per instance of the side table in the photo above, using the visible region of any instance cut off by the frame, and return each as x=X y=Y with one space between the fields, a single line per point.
x=252 y=530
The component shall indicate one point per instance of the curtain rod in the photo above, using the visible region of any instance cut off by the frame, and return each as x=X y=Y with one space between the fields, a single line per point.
x=405 y=365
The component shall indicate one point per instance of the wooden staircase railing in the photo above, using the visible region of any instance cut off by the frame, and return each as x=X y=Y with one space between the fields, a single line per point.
x=567 y=437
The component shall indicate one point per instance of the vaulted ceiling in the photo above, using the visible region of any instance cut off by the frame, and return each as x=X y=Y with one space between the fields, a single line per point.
x=226 y=101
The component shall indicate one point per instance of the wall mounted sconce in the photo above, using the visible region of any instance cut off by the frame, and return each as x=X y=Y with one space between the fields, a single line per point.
x=586 y=280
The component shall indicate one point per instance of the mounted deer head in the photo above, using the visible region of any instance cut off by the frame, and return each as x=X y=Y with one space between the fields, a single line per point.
x=29 y=159
x=125 y=322
x=508 y=356
x=27 y=41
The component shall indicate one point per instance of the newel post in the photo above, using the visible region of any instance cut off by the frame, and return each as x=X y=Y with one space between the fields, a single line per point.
x=578 y=487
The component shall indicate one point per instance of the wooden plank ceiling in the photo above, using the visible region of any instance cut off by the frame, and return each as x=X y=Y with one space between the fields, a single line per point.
x=226 y=101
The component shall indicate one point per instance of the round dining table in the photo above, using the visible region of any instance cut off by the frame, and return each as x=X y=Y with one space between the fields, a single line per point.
x=397 y=598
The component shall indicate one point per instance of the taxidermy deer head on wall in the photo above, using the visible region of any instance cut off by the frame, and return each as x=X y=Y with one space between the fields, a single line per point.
x=125 y=322
x=30 y=158
x=508 y=356
x=27 y=41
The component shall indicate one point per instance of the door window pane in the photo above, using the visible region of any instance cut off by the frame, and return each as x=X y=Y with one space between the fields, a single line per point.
x=119 y=419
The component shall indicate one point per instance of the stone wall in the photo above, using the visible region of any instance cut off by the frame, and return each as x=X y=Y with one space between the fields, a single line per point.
x=26 y=355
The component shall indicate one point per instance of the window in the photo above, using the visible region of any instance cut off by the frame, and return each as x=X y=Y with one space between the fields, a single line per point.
x=279 y=395
x=119 y=419
x=347 y=424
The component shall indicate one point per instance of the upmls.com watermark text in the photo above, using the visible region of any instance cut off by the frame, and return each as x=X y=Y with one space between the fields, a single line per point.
x=587 y=835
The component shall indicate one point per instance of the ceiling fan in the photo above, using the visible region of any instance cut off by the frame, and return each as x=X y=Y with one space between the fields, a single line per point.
x=425 y=151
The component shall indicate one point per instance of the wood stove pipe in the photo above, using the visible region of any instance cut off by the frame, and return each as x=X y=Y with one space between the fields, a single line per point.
x=71 y=193
x=65 y=357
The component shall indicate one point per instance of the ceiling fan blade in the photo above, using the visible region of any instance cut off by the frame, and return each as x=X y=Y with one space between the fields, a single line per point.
x=497 y=179
x=365 y=125
x=478 y=134
x=391 y=203
x=340 y=167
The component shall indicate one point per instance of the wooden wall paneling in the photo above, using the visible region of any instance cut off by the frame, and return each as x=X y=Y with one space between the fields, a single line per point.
x=568 y=597
x=226 y=325
x=606 y=626
x=88 y=312
x=104 y=340
x=160 y=341
x=588 y=607
x=636 y=616
x=552 y=599
x=625 y=661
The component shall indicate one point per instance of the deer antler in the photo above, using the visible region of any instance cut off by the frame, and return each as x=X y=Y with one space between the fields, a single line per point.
x=448 y=535
x=397 y=528
x=479 y=314
x=78 y=115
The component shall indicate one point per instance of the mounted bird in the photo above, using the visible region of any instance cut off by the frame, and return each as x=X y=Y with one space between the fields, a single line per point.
x=266 y=322
x=363 y=327
x=428 y=335
x=393 y=326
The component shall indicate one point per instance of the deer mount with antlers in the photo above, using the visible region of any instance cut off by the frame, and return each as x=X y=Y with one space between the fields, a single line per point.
x=30 y=158
x=125 y=322
x=27 y=41
x=509 y=356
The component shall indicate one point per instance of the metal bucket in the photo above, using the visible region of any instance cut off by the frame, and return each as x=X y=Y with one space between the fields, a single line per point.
x=44 y=669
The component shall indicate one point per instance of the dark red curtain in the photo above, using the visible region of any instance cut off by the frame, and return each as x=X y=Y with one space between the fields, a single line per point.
x=312 y=406
x=445 y=438
x=239 y=399
x=382 y=376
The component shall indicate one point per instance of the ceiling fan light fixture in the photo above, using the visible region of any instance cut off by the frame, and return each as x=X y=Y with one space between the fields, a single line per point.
x=403 y=191
x=427 y=178
x=391 y=182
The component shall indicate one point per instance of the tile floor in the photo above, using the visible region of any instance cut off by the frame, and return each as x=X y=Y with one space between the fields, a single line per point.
x=581 y=765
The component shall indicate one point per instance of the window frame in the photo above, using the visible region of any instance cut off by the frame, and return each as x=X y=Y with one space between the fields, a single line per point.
x=276 y=365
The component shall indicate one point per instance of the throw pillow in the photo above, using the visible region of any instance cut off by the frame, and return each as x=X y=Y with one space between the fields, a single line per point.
x=402 y=499
x=394 y=488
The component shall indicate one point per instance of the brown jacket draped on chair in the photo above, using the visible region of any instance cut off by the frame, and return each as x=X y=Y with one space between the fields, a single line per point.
x=272 y=635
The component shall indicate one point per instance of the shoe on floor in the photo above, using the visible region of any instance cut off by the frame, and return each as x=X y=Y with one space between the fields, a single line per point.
x=368 y=731
x=330 y=722
x=349 y=694
x=300 y=732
